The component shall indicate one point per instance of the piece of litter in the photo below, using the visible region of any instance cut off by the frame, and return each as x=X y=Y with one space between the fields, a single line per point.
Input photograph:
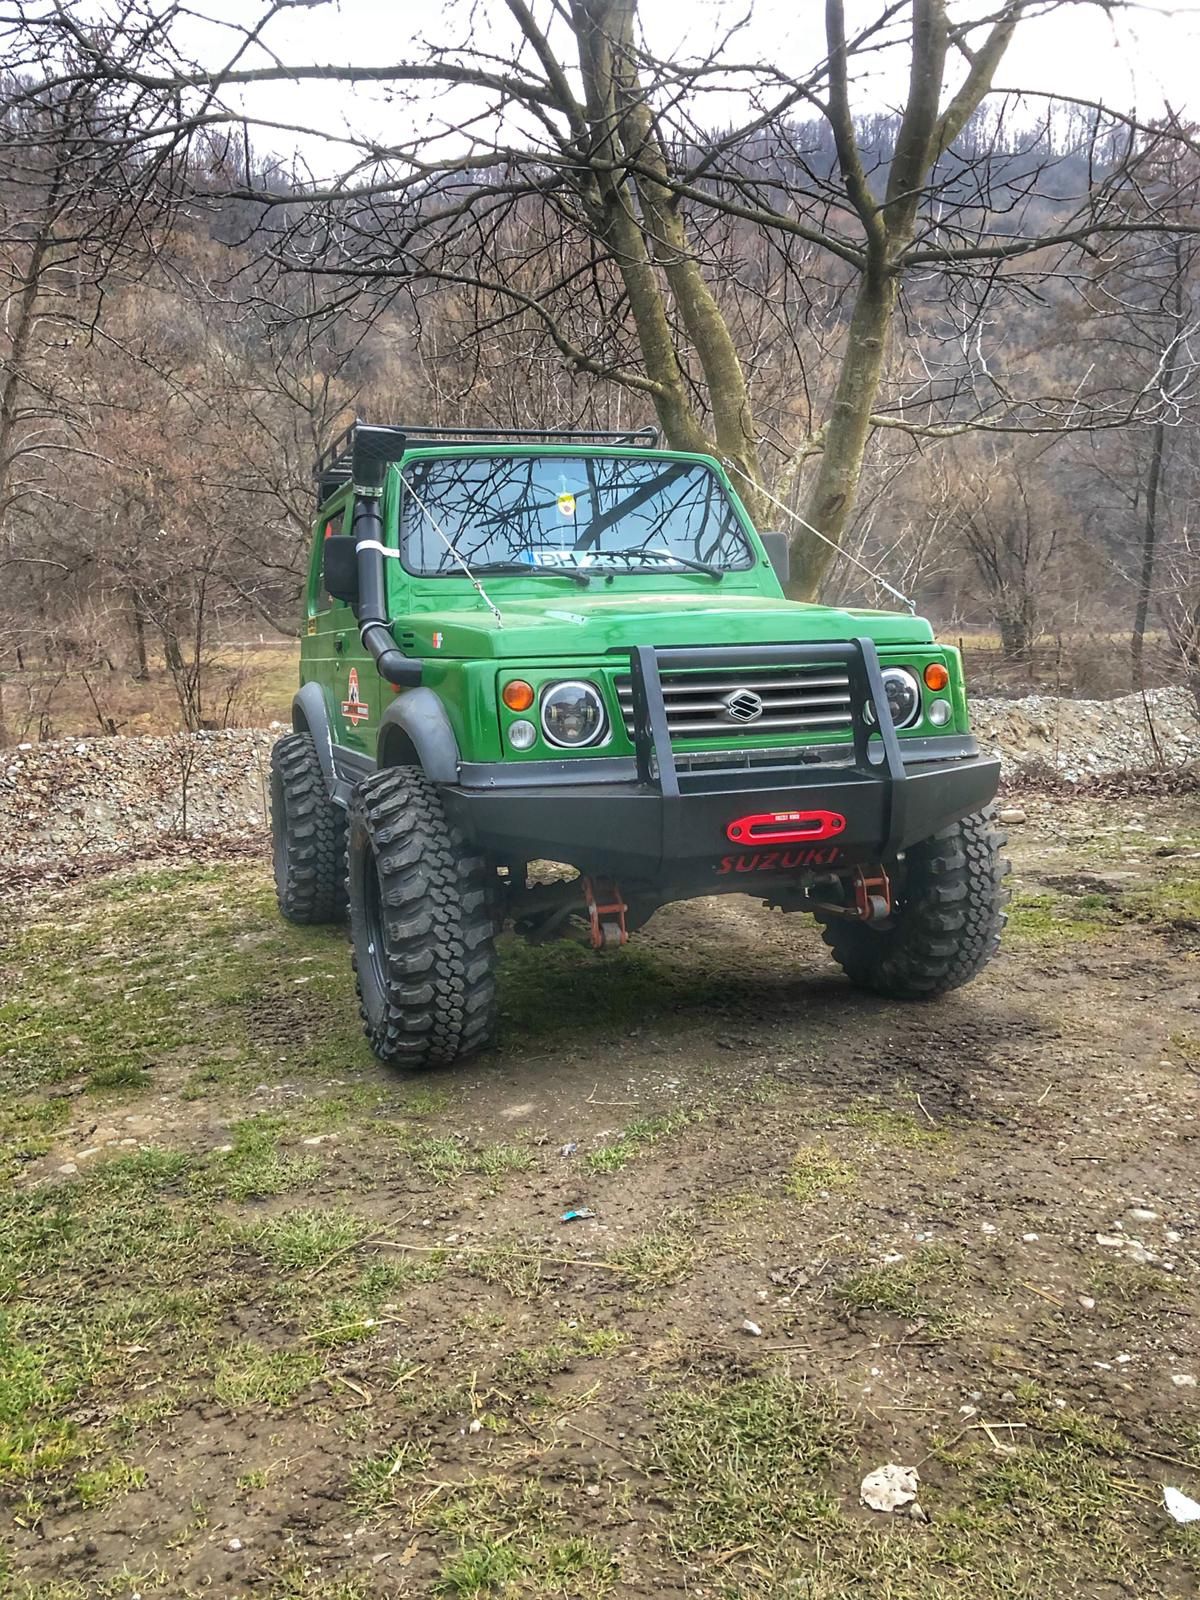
x=752 y=1328
x=1180 y=1506
x=581 y=1214
x=1029 y=1238
x=890 y=1488
x=569 y=1148
x=234 y=1544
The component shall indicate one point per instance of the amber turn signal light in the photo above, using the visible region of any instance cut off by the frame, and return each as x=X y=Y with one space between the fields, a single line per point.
x=517 y=695
x=936 y=676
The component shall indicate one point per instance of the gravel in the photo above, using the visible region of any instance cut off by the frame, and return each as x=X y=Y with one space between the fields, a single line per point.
x=1080 y=739
x=76 y=798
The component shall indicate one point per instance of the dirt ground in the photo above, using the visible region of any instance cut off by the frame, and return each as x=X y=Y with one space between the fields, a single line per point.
x=274 y=1323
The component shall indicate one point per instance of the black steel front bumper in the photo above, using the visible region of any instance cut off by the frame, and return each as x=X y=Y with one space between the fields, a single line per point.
x=658 y=819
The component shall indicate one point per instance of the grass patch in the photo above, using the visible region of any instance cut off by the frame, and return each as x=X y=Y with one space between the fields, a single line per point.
x=251 y=1375
x=514 y=1538
x=300 y=1239
x=893 y=1125
x=1047 y=919
x=662 y=1255
x=376 y=1482
x=1172 y=901
x=906 y=1290
x=256 y=1168
x=745 y=1460
x=641 y=1134
x=101 y=1485
x=443 y=1159
x=816 y=1171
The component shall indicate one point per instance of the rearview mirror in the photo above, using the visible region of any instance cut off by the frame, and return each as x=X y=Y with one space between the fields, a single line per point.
x=780 y=553
x=339 y=567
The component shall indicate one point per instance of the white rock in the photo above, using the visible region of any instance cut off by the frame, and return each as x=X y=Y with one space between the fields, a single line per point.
x=752 y=1328
x=889 y=1488
x=1184 y=1380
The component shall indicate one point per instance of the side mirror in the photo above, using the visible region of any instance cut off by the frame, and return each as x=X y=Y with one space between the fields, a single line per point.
x=339 y=567
x=780 y=553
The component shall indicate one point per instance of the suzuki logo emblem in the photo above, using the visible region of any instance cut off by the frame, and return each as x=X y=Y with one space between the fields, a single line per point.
x=743 y=705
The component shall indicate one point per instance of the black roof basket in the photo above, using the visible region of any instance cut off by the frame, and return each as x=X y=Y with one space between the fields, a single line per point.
x=362 y=453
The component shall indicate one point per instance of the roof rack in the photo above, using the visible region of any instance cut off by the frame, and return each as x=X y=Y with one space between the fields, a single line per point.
x=362 y=453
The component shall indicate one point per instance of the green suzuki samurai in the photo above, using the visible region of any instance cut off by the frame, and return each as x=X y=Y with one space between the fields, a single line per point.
x=575 y=648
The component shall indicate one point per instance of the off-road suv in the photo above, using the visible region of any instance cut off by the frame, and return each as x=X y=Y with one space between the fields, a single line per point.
x=575 y=648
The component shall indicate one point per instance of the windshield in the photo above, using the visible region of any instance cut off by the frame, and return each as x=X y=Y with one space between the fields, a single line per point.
x=598 y=512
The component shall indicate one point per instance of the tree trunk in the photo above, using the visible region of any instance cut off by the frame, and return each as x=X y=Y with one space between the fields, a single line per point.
x=1149 y=541
x=847 y=430
x=139 y=643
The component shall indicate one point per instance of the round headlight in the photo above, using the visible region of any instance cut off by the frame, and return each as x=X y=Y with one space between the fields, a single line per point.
x=903 y=695
x=573 y=715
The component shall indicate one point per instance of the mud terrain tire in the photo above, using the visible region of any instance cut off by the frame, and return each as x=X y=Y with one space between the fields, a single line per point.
x=308 y=835
x=946 y=926
x=421 y=925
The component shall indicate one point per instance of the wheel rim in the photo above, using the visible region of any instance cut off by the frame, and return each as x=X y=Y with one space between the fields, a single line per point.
x=374 y=924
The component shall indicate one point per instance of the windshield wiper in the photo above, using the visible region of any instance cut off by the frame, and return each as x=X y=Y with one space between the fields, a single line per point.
x=667 y=555
x=529 y=569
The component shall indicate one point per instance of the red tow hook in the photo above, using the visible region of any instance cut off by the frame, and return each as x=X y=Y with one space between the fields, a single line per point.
x=786 y=827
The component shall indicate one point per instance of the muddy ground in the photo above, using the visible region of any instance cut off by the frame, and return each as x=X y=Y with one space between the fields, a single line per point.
x=274 y=1323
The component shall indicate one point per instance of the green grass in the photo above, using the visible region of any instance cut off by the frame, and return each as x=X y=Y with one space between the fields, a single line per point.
x=661 y=1255
x=1047 y=919
x=1173 y=901
x=251 y=1375
x=505 y=1537
x=741 y=1461
x=817 y=1171
x=297 y=1240
x=377 y=1481
x=101 y=1485
x=641 y=1135
x=912 y=1291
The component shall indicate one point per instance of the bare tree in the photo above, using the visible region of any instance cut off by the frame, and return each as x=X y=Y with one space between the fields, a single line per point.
x=628 y=208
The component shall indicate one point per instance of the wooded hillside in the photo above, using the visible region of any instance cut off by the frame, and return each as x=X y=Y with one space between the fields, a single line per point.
x=957 y=341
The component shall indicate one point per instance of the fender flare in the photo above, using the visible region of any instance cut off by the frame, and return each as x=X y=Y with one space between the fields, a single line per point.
x=310 y=715
x=417 y=718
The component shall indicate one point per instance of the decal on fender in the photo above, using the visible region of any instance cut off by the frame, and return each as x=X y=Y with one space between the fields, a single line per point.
x=354 y=708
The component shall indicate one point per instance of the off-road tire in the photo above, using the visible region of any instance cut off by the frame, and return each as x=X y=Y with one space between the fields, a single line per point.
x=421 y=924
x=947 y=921
x=308 y=835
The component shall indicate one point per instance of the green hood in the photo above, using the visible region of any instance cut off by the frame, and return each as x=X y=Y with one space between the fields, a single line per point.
x=583 y=623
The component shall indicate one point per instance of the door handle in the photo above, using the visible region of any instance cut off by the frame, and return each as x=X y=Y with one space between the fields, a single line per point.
x=339 y=644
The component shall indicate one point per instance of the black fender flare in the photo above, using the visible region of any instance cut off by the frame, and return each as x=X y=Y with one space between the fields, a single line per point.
x=310 y=715
x=416 y=724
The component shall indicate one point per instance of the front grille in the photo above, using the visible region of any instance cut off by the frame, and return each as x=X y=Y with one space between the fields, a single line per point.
x=718 y=705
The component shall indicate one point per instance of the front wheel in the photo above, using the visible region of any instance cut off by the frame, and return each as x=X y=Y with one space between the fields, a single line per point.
x=420 y=923
x=945 y=927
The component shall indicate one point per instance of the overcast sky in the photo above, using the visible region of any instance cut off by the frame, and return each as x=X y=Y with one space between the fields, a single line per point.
x=1137 y=58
